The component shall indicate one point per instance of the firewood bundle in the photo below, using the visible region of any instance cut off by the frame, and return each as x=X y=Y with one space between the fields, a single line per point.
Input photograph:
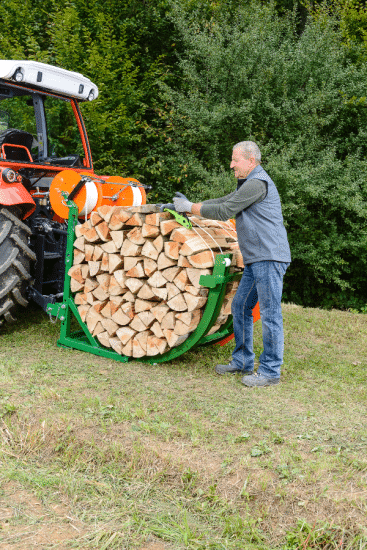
x=136 y=275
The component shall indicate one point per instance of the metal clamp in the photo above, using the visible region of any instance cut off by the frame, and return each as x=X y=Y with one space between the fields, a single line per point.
x=182 y=219
x=51 y=310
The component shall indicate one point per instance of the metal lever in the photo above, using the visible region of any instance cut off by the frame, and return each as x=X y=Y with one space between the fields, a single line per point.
x=181 y=218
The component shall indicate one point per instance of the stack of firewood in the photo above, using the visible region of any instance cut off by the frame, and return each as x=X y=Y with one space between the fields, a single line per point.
x=136 y=275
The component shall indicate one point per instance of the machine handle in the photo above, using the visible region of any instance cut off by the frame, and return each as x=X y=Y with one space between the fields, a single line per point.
x=77 y=188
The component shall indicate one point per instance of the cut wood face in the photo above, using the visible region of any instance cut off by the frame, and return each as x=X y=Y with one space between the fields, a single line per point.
x=136 y=277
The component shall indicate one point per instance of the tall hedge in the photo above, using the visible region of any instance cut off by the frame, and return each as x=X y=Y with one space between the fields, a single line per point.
x=302 y=99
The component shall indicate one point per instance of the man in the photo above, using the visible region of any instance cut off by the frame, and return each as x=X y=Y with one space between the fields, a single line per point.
x=263 y=242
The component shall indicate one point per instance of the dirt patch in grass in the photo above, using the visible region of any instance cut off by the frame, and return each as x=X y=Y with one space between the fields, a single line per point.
x=27 y=523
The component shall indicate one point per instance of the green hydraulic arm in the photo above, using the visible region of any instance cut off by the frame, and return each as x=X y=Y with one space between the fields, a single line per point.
x=83 y=340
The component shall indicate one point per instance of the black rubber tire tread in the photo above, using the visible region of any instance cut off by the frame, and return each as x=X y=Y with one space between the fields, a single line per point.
x=15 y=257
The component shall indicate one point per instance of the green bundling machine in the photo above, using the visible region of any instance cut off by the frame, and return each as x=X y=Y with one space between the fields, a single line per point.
x=83 y=340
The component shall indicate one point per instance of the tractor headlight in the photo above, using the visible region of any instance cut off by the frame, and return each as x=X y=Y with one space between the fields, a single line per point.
x=9 y=176
x=19 y=75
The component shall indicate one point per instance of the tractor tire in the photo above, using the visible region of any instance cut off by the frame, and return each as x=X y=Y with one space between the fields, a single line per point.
x=15 y=258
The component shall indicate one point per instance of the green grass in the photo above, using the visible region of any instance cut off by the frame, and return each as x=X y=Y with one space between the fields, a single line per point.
x=102 y=454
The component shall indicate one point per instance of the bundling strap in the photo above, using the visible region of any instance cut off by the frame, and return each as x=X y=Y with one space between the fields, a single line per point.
x=211 y=236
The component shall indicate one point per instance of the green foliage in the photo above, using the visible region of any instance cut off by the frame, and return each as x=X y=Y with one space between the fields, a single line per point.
x=352 y=19
x=303 y=102
x=182 y=82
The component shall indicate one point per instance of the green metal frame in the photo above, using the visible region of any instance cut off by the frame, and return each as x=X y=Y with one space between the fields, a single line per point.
x=84 y=341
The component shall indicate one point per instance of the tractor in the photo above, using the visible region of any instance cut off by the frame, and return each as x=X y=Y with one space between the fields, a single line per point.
x=45 y=160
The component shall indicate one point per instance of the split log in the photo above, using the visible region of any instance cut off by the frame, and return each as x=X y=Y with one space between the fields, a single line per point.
x=118 y=238
x=171 y=250
x=137 y=324
x=130 y=249
x=96 y=252
x=103 y=231
x=178 y=303
x=158 y=243
x=105 y=262
x=114 y=303
x=98 y=329
x=124 y=334
x=142 y=305
x=115 y=262
x=137 y=271
x=134 y=285
x=135 y=219
x=168 y=321
x=157 y=280
x=110 y=247
x=110 y=326
x=120 y=317
x=78 y=257
x=83 y=310
x=150 y=267
x=104 y=338
x=115 y=289
x=136 y=236
x=146 y=292
x=130 y=262
x=172 y=290
x=149 y=250
x=80 y=298
x=79 y=272
x=170 y=273
x=79 y=243
x=157 y=329
x=160 y=293
x=150 y=231
x=92 y=318
x=94 y=268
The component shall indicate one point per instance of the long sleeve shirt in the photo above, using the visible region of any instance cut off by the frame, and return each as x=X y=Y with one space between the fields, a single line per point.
x=248 y=193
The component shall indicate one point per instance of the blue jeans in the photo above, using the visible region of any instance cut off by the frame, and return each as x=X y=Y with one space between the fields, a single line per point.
x=263 y=282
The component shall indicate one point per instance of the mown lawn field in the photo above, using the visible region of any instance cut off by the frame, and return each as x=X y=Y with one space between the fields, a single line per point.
x=100 y=454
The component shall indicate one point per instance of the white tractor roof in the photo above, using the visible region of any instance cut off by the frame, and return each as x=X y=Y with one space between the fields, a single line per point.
x=49 y=78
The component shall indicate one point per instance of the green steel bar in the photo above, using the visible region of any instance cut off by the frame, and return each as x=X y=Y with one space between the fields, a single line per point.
x=213 y=305
x=83 y=339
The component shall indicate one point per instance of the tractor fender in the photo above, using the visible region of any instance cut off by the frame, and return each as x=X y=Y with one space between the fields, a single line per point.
x=12 y=194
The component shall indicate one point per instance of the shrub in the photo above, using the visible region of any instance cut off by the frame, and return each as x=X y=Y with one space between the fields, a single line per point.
x=301 y=99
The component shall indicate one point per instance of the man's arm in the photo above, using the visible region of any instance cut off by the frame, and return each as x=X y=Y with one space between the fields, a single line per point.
x=197 y=206
x=229 y=206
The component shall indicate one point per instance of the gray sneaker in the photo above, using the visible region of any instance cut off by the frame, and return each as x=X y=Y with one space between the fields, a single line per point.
x=229 y=369
x=259 y=380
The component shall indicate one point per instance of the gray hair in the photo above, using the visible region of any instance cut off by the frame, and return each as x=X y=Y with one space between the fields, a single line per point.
x=249 y=148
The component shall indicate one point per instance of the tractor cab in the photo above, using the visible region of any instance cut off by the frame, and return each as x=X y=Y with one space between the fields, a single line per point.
x=41 y=126
x=45 y=157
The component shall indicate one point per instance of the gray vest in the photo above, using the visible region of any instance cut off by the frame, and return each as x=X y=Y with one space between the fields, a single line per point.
x=260 y=228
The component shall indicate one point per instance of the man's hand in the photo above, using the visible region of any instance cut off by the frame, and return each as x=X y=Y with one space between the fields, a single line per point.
x=170 y=205
x=182 y=204
x=181 y=195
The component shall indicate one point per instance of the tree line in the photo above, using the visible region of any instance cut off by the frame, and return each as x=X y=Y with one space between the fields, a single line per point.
x=182 y=82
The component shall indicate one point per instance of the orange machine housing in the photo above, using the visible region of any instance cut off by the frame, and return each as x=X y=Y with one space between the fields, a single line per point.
x=97 y=191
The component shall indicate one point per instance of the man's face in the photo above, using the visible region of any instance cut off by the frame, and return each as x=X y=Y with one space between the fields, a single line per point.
x=242 y=166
